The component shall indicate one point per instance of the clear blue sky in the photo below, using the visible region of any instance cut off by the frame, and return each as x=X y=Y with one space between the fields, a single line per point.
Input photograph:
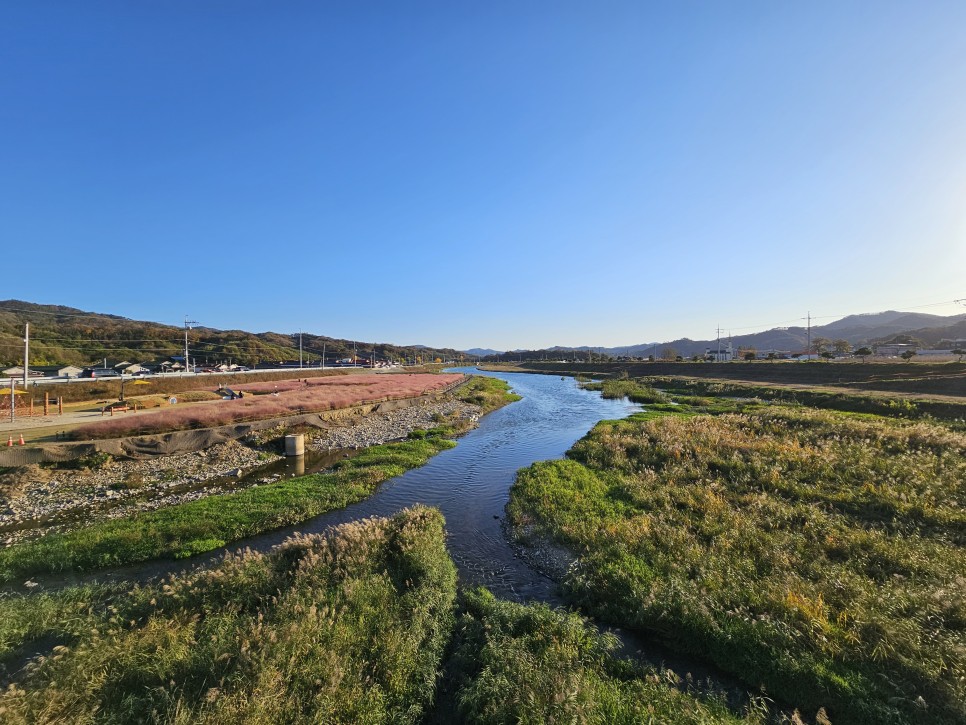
x=496 y=174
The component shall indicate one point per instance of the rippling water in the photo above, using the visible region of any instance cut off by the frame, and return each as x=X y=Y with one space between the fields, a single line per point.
x=470 y=483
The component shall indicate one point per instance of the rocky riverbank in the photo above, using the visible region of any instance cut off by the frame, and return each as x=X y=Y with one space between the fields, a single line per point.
x=397 y=424
x=35 y=500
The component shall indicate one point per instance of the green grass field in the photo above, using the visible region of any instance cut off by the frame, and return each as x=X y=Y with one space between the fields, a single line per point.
x=531 y=664
x=817 y=554
x=360 y=625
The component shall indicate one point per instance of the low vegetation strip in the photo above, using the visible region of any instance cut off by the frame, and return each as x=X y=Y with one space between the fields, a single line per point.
x=951 y=411
x=488 y=393
x=294 y=397
x=818 y=554
x=347 y=627
x=923 y=378
x=513 y=663
x=634 y=390
x=209 y=523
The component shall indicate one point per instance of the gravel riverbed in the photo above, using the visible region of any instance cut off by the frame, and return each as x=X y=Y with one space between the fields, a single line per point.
x=374 y=430
x=35 y=500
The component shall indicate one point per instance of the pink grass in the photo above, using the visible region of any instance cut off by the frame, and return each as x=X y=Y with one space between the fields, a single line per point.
x=294 y=397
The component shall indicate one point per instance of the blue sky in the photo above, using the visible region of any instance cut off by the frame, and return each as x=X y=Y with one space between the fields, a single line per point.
x=484 y=174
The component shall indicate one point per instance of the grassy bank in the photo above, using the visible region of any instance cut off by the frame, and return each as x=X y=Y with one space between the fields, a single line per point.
x=531 y=664
x=634 y=390
x=952 y=412
x=818 y=554
x=349 y=627
x=917 y=378
x=209 y=523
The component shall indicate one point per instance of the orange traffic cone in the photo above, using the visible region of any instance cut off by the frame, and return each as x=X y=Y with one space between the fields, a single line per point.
x=9 y=440
x=21 y=439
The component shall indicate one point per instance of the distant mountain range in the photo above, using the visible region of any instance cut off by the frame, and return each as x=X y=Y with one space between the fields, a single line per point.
x=863 y=329
x=65 y=335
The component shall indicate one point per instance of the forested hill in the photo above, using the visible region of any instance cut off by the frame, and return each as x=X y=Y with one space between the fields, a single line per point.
x=64 y=335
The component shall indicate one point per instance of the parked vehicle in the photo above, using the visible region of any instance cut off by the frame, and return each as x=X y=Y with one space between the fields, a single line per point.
x=100 y=373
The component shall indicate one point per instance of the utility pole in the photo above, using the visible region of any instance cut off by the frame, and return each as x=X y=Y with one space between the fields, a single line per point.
x=187 y=326
x=300 y=349
x=323 y=355
x=808 y=334
x=718 y=358
x=13 y=398
x=26 y=354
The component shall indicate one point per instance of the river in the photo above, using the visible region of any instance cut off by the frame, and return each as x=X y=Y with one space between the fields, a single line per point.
x=470 y=483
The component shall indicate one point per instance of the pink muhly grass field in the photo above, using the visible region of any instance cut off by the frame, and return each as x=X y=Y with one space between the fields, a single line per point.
x=293 y=397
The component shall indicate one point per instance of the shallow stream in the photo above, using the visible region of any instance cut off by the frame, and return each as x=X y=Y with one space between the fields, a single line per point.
x=470 y=484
